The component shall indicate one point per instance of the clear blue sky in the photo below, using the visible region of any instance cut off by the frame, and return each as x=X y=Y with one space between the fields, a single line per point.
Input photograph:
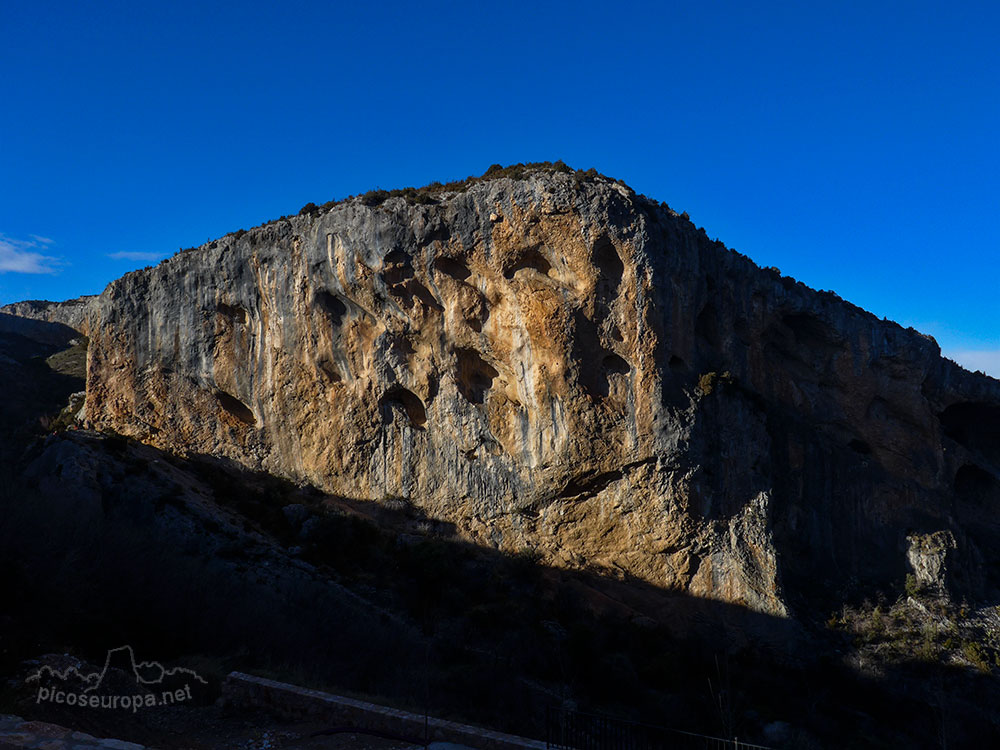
x=855 y=145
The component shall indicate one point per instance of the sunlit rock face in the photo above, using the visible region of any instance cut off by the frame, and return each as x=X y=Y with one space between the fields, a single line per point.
x=558 y=364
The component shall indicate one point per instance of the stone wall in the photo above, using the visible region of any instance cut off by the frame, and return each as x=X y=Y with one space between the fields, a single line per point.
x=291 y=702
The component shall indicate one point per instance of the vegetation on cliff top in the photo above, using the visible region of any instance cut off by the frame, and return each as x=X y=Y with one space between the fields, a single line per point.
x=427 y=193
x=430 y=193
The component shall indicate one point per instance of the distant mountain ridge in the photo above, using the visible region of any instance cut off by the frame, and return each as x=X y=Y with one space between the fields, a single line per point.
x=72 y=313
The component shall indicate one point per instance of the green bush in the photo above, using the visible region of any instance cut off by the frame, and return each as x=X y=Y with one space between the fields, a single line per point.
x=975 y=655
x=375 y=197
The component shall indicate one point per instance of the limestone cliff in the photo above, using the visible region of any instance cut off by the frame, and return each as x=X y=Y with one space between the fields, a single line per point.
x=73 y=313
x=556 y=363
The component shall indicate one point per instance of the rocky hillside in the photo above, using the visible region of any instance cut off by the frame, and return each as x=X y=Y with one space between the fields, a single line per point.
x=73 y=313
x=554 y=363
x=41 y=365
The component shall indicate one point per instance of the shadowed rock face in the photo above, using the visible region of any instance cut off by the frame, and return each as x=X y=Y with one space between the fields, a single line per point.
x=72 y=313
x=564 y=365
x=41 y=365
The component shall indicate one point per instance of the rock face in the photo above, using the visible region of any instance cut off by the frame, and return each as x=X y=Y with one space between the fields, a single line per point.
x=72 y=313
x=928 y=558
x=556 y=363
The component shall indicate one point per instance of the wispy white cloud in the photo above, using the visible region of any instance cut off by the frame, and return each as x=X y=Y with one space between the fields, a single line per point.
x=41 y=240
x=20 y=256
x=135 y=255
x=986 y=360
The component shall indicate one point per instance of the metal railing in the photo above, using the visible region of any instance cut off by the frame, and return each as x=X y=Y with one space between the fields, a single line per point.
x=574 y=730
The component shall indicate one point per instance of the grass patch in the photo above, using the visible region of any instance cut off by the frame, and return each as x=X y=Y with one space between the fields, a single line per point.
x=71 y=361
x=917 y=629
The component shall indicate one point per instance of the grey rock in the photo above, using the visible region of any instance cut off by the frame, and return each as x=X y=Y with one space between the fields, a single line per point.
x=928 y=556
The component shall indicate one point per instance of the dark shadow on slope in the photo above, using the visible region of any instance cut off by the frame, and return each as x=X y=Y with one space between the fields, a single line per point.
x=41 y=364
x=42 y=332
x=201 y=559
